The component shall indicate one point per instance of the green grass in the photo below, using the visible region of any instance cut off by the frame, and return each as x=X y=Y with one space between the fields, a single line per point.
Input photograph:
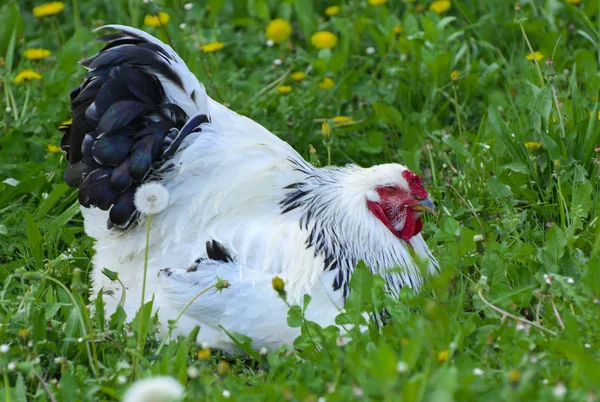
x=537 y=209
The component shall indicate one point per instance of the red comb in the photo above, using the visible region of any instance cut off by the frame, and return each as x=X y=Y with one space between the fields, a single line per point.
x=415 y=184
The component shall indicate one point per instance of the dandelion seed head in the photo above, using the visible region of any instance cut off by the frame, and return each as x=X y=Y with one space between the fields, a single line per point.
x=4 y=348
x=370 y=50
x=193 y=372
x=277 y=62
x=478 y=238
x=270 y=42
x=121 y=379
x=478 y=372
x=12 y=366
x=559 y=390
x=151 y=198
x=587 y=346
x=401 y=367
x=226 y=394
x=154 y=389
x=182 y=25
x=188 y=6
x=570 y=281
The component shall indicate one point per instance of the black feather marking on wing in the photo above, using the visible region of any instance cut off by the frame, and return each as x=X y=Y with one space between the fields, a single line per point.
x=123 y=127
x=216 y=251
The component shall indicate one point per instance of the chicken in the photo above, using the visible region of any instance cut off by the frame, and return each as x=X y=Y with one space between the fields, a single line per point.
x=243 y=205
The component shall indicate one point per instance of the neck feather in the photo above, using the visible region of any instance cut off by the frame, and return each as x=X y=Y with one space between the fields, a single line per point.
x=341 y=228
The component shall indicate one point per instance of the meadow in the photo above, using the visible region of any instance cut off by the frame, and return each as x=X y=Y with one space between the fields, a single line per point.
x=494 y=103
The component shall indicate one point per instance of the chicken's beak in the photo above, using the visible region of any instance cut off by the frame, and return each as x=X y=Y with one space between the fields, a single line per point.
x=425 y=206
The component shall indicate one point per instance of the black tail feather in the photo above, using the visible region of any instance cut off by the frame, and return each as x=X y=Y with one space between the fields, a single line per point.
x=123 y=127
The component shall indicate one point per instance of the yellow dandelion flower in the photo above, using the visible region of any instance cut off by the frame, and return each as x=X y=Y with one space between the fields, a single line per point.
x=598 y=115
x=23 y=333
x=36 y=53
x=443 y=355
x=212 y=47
x=377 y=2
x=342 y=120
x=324 y=40
x=440 y=6
x=157 y=20
x=554 y=119
x=327 y=83
x=332 y=10
x=53 y=149
x=533 y=146
x=223 y=368
x=26 y=75
x=284 y=89
x=514 y=376
x=297 y=76
x=535 y=55
x=326 y=130
x=204 y=354
x=574 y=2
x=454 y=75
x=278 y=30
x=398 y=30
x=47 y=9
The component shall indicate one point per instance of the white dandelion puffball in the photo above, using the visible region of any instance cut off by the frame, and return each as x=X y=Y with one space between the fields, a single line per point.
x=188 y=6
x=270 y=43
x=151 y=198
x=4 y=348
x=154 y=389
x=370 y=50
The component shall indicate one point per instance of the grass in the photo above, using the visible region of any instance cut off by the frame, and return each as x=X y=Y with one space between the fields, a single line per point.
x=507 y=147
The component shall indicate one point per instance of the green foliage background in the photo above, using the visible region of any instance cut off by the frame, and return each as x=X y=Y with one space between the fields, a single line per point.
x=536 y=208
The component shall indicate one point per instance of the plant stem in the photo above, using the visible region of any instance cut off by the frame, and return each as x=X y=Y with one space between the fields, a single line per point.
x=93 y=364
x=26 y=101
x=140 y=346
x=506 y=313
x=172 y=325
x=6 y=387
x=539 y=70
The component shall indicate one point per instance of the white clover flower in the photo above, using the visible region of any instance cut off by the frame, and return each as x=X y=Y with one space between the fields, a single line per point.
x=154 y=389
x=44 y=196
x=79 y=340
x=37 y=360
x=559 y=390
x=444 y=166
x=548 y=279
x=321 y=399
x=478 y=238
x=8 y=110
x=478 y=372
x=182 y=25
x=270 y=43
x=121 y=379
x=4 y=348
x=370 y=50
x=520 y=326
x=570 y=281
x=401 y=367
x=151 y=198
x=263 y=351
x=193 y=372
x=12 y=366
x=587 y=346
x=60 y=360
x=545 y=381
x=277 y=62
x=226 y=394
x=357 y=391
x=188 y=6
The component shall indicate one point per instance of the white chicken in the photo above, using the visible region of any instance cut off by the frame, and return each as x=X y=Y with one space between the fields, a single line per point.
x=243 y=205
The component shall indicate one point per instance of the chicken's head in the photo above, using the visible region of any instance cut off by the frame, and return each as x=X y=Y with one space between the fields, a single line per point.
x=396 y=197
